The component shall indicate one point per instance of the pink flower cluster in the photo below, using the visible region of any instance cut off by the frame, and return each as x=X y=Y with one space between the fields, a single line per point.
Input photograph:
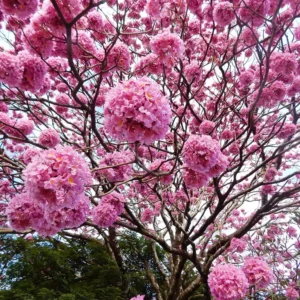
x=119 y=57
x=22 y=9
x=24 y=213
x=117 y=165
x=270 y=174
x=287 y=130
x=246 y=78
x=270 y=96
x=34 y=71
x=153 y=8
x=201 y=152
x=203 y=159
x=136 y=110
x=238 y=245
x=284 y=63
x=223 y=13
x=227 y=282
x=159 y=165
x=49 y=138
x=29 y=154
x=37 y=39
x=11 y=70
x=55 y=221
x=257 y=272
x=50 y=18
x=279 y=91
x=54 y=193
x=207 y=127
x=149 y=64
x=55 y=178
x=291 y=293
x=108 y=210
x=193 y=72
x=168 y=47
x=20 y=127
x=62 y=101
x=193 y=179
x=253 y=11
x=138 y=297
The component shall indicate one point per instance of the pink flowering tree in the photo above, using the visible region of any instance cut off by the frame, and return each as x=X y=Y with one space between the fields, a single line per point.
x=174 y=119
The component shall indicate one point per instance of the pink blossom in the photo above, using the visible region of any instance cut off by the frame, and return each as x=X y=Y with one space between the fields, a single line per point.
x=95 y=21
x=193 y=179
x=11 y=69
x=257 y=272
x=297 y=33
x=115 y=199
x=270 y=174
x=62 y=100
x=20 y=8
x=227 y=282
x=22 y=127
x=220 y=166
x=51 y=222
x=193 y=72
x=291 y=293
x=295 y=87
x=246 y=78
x=19 y=128
x=149 y=64
x=223 y=13
x=84 y=47
x=56 y=178
x=153 y=8
x=147 y=215
x=279 y=91
x=249 y=36
x=253 y=148
x=68 y=217
x=266 y=98
x=138 y=297
x=49 y=138
x=4 y=120
x=46 y=228
x=287 y=130
x=268 y=189
x=38 y=41
x=201 y=153
x=137 y=111
x=34 y=71
x=69 y=10
x=168 y=47
x=110 y=163
x=3 y=107
x=284 y=63
x=119 y=57
x=22 y=212
x=57 y=65
x=238 y=245
x=253 y=11
x=104 y=215
x=160 y=165
x=207 y=127
x=291 y=231
x=29 y=154
x=195 y=6
x=227 y=134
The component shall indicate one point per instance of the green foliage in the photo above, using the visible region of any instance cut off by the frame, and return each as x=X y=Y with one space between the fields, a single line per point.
x=55 y=270
x=136 y=251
